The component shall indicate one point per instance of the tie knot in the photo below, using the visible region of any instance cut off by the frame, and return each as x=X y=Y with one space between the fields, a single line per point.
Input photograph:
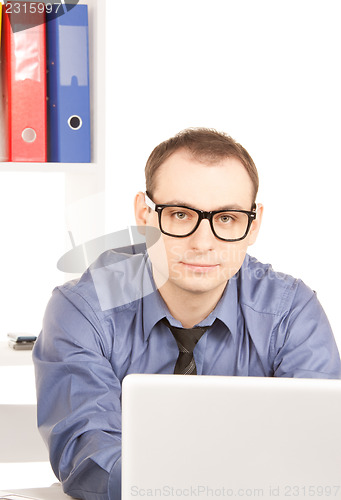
x=186 y=338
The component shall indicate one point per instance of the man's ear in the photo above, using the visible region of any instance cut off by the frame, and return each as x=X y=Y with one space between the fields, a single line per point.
x=141 y=212
x=255 y=226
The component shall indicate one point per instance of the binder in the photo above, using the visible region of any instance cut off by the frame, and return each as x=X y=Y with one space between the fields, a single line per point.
x=68 y=92
x=3 y=109
x=25 y=68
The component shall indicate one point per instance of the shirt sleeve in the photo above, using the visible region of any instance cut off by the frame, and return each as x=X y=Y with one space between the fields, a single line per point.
x=78 y=394
x=304 y=344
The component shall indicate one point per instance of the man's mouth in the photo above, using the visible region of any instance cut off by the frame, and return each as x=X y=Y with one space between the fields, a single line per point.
x=200 y=267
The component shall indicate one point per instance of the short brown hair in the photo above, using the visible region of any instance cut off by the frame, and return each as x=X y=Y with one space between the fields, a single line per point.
x=204 y=144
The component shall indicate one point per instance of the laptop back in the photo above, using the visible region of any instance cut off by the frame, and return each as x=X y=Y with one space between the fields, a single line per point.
x=232 y=437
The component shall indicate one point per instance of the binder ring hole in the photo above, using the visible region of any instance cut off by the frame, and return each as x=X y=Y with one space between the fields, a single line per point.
x=75 y=122
x=29 y=135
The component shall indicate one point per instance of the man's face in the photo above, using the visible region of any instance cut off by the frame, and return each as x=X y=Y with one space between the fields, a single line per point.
x=200 y=262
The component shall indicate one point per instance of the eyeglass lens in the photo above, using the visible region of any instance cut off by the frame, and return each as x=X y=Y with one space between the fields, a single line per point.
x=180 y=221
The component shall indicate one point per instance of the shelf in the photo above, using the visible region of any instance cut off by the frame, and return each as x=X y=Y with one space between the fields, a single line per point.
x=80 y=188
x=65 y=168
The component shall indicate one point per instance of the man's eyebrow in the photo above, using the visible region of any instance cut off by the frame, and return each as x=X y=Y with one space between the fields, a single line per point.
x=231 y=206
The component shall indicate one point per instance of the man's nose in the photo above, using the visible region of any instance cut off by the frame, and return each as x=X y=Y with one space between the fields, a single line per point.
x=203 y=237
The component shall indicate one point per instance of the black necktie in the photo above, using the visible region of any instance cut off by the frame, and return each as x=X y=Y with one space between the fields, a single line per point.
x=186 y=338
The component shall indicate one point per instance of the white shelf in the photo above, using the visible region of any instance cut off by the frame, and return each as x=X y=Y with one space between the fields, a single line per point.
x=93 y=181
x=82 y=181
x=65 y=168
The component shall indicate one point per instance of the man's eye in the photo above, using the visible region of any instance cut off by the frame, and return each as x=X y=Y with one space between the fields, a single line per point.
x=225 y=219
x=180 y=215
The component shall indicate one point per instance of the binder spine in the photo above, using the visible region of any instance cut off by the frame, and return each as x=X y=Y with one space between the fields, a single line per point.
x=53 y=134
x=24 y=37
x=3 y=101
x=68 y=86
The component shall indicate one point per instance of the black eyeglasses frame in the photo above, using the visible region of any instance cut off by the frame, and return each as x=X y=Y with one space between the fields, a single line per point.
x=202 y=214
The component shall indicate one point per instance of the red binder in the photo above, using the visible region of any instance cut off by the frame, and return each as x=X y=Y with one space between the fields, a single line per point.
x=25 y=53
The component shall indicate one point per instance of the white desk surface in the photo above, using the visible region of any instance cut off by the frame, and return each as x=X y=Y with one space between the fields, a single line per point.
x=11 y=357
x=54 y=492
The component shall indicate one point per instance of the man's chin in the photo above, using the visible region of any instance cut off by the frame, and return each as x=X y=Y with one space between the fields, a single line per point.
x=196 y=286
x=195 y=281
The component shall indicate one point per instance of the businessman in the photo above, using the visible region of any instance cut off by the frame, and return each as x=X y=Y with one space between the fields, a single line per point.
x=193 y=303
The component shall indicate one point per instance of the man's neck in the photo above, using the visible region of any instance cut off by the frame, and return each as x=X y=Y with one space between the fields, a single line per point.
x=188 y=307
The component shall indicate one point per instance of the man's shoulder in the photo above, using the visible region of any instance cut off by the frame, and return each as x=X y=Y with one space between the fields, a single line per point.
x=113 y=280
x=258 y=272
x=268 y=291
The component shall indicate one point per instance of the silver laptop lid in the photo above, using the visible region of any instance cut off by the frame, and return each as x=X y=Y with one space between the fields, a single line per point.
x=230 y=437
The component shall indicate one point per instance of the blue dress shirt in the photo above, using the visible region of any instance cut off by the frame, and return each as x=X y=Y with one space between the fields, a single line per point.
x=107 y=324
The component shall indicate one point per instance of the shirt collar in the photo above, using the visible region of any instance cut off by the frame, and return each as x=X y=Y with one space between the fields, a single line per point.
x=227 y=308
x=154 y=309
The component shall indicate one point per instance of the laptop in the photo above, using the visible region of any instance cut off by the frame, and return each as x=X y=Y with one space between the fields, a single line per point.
x=230 y=437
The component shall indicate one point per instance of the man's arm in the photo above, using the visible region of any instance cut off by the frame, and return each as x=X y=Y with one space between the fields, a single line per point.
x=304 y=344
x=79 y=409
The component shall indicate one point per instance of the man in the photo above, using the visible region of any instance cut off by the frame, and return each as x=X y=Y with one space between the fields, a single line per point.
x=125 y=313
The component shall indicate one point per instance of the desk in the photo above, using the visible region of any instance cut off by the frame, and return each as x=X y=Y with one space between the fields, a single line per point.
x=55 y=492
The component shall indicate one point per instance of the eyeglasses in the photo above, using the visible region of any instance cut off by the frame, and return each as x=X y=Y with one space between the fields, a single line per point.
x=181 y=221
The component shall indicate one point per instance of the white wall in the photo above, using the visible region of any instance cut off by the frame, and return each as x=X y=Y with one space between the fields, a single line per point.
x=267 y=72
x=32 y=228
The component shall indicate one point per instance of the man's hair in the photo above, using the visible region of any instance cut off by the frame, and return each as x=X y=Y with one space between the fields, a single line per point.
x=204 y=144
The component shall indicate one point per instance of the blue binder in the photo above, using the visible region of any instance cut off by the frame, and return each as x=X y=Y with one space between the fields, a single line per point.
x=68 y=93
